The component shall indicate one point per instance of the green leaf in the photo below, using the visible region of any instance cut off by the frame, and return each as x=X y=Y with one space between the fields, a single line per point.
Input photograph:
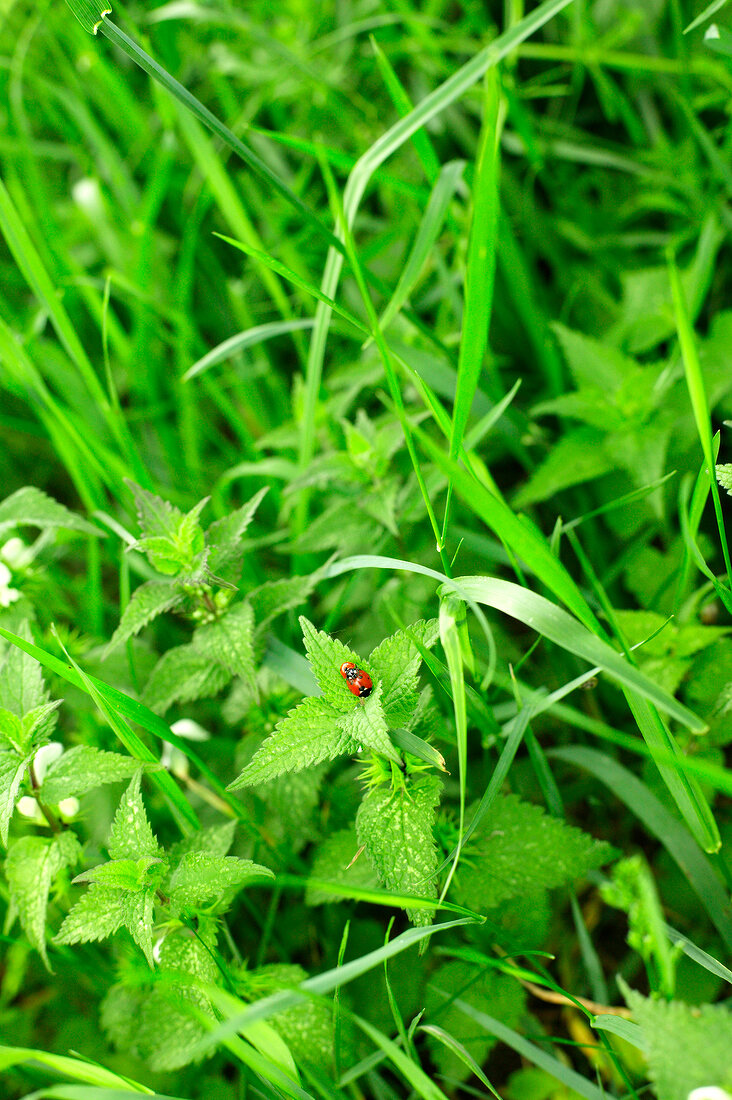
x=126 y=874
x=148 y=601
x=307 y=1028
x=275 y=597
x=157 y=518
x=367 y=726
x=326 y=655
x=306 y=736
x=131 y=836
x=224 y=537
x=21 y=681
x=687 y=1046
x=84 y=768
x=12 y=770
x=173 y=542
x=230 y=642
x=335 y=862
x=97 y=914
x=397 y=660
x=162 y=1024
x=482 y=989
x=575 y=457
x=30 y=506
x=202 y=876
x=31 y=866
x=182 y=674
x=396 y=829
x=215 y=840
x=518 y=850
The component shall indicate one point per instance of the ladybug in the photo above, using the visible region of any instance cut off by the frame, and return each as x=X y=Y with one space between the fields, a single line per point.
x=359 y=682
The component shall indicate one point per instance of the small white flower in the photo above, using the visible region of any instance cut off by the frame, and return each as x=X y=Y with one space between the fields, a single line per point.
x=44 y=757
x=68 y=808
x=87 y=194
x=709 y=1092
x=15 y=553
x=171 y=757
x=28 y=807
x=7 y=595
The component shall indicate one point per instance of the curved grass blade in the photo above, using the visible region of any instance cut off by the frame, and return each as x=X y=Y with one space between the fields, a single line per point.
x=202 y=113
x=555 y=624
x=460 y=1052
x=682 y=848
x=242 y=340
x=72 y=1067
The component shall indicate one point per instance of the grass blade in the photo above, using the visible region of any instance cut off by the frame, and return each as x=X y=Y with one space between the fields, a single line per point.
x=242 y=340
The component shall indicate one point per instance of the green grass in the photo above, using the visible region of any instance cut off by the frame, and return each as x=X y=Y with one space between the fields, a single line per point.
x=450 y=283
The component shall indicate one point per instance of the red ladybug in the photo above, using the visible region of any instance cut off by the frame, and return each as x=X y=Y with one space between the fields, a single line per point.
x=359 y=682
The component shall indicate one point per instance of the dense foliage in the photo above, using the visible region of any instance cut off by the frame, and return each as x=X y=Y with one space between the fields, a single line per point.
x=365 y=656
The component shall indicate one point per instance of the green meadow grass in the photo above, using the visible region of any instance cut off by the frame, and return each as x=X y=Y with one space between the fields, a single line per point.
x=442 y=290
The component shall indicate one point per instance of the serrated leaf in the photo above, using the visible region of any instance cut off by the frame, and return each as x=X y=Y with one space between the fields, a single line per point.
x=275 y=597
x=97 y=914
x=32 y=507
x=155 y=516
x=688 y=1046
x=293 y=802
x=201 y=876
x=575 y=457
x=366 y=725
x=12 y=730
x=131 y=836
x=21 y=681
x=334 y=862
x=326 y=655
x=39 y=723
x=215 y=839
x=84 y=768
x=126 y=874
x=397 y=661
x=518 y=850
x=306 y=736
x=148 y=601
x=182 y=675
x=487 y=991
x=224 y=537
x=230 y=642
x=12 y=769
x=396 y=829
x=306 y=1028
x=31 y=866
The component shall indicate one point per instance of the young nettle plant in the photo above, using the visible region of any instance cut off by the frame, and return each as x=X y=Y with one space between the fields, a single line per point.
x=199 y=570
x=395 y=820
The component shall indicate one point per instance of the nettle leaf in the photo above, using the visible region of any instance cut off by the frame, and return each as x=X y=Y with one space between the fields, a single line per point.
x=182 y=675
x=292 y=802
x=724 y=476
x=575 y=457
x=84 y=768
x=31 y=866
x=230 y=642
x=40 y=722
x=307 y=1028
x=397 y=662
x=275 y=597
x=173 y=542
x=148 y=601
x=103 y=910
x=161 y=1024
x=21 y=681
x=131 y=836
x=366 y=724
x=155 y=516
x=33 y=508
x=326 y=655
x=12 y=770
x=485 y=990
x=224 y=537
x=306 y=736
x=396 y=829
x=215 y=839
x=12 y=731
x=126 y=874
x=688 y=1046
x=334 y=862
x=202 y=877
x=519 y=850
